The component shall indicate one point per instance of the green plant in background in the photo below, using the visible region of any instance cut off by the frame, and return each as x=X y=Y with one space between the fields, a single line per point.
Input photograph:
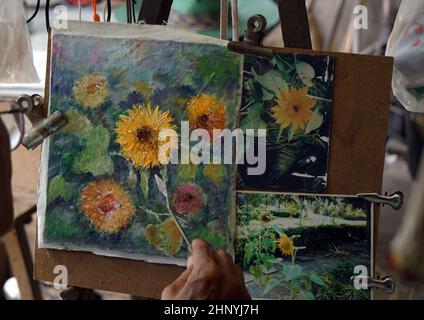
x=294 y=207
x=297 y=283
x=338 y=284
x=291 y=261
x=260 y=247
x=352 y=213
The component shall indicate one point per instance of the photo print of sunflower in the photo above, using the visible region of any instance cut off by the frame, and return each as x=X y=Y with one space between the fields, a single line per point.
x=304 y=247
x=98 y=191
x=290 y=96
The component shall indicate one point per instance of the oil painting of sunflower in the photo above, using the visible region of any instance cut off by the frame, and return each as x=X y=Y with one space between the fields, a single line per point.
x=91 y=91
x=138 y=135
x=110 y=187
x=291 y=97
x=208 y=113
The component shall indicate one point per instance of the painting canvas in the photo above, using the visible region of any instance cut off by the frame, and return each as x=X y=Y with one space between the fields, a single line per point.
x=304 y=247
x=290 y=96
x=98 y=189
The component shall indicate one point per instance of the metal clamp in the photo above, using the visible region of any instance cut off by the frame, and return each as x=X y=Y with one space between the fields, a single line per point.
x=386 y=284
x=42 y=126
x=251 y=45
x=395 y=200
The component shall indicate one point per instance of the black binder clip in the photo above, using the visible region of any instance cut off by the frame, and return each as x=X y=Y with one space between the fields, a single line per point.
x=395 y=200
x=251 y=45
x=386 y=284
x=42 y=126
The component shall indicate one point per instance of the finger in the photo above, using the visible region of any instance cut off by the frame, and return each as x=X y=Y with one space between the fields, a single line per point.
x=189 y=262
x=182 y=279
x=201 y=253
x=224 y=261
x=171 y=291
x=227 y=264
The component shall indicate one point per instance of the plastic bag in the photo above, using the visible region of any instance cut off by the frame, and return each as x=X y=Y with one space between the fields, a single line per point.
x=406 y=45
x=16 y=63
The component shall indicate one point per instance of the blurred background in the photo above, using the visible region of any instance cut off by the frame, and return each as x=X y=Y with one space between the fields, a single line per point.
x=331 y=29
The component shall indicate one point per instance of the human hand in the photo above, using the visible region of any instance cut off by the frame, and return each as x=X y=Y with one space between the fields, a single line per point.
x=6 y=214
x=210 y=275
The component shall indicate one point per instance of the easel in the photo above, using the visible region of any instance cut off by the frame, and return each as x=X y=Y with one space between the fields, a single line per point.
x=296 y=34
x=19 y=253
x=354 y=166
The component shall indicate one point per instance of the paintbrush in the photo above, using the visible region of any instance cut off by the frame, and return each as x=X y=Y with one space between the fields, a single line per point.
x=162 y=188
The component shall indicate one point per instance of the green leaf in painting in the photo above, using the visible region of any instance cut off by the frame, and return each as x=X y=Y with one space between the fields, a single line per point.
x=272 y=81
x=132 y=178
x=315 y=123
x=253 y=119
x=94 y=158
x=59 y=188
x=291 y=133
x=144 y=182
x=89 y=161
x=78 y=124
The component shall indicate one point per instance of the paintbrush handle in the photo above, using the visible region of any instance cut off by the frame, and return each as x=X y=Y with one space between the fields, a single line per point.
x=178 y=225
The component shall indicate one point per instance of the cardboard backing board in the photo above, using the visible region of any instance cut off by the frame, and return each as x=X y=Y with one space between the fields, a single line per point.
x=362 y=87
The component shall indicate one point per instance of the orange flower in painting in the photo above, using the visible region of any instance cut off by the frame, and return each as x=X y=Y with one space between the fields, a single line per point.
x=207 y=112
x=107 y=206
x=293 y=108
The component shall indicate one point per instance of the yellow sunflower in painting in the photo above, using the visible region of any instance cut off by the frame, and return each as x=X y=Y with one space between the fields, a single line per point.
x=293 y=108
x=207 y=112
x=91 y=91
x=286 y=245
x=107 y=206
x=138 y=135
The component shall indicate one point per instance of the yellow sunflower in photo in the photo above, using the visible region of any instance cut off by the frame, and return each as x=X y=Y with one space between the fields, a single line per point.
x=91 y=91
x=293 y=108
x=286 y=245
x=207 y=112
x=138 y=135
x=107 y=206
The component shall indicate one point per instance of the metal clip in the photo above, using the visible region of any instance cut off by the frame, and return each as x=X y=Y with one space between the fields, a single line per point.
x=251 y=45
x=42 y=126
x=387 y=284
x=395 y=200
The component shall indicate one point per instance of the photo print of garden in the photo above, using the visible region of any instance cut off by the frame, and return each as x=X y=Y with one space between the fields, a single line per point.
x=99 y=192
x=290 y=96
x=303 y=247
